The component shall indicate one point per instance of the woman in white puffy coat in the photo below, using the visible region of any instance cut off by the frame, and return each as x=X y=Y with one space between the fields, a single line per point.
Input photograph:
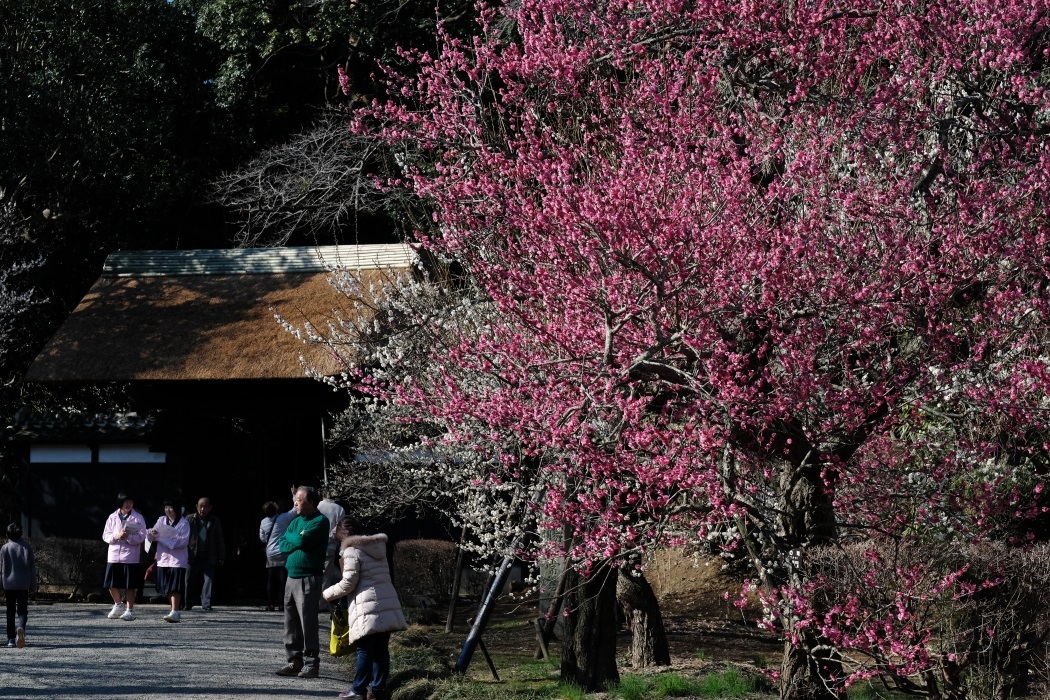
x=374 y=608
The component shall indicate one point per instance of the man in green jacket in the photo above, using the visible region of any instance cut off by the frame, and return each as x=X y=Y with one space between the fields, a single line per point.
x=305 y=542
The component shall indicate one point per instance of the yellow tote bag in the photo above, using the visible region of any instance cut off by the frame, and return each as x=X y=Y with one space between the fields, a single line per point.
x=339 y=644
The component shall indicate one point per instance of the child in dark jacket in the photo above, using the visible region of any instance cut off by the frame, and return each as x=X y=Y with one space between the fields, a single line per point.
x=18 y=576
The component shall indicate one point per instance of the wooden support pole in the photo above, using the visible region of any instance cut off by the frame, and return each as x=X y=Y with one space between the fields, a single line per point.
x=492 y=666
x=482 y=618
x=455 y=583
x=545 y=625
x=541 y=643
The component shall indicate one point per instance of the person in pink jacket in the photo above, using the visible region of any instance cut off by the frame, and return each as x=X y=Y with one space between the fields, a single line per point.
x=125 y=532
x=374 y=608
x=172 y=536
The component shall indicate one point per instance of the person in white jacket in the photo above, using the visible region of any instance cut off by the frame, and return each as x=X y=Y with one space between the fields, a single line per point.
x=374 y=609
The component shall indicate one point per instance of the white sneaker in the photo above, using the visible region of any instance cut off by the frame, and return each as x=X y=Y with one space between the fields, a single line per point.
x=173 y=616
x=128 y=615
x=117 y=611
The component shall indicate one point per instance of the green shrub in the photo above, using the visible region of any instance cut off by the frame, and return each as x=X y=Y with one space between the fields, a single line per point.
x=423 y=573
x=632 y=688
x=570 y=691
x=70 y=566
x=674 y=685
x=727 y=684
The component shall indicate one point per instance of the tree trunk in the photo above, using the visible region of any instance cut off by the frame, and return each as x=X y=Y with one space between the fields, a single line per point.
x=807 y=519
x=648 y=638
x=801 y=675
x=588 y=656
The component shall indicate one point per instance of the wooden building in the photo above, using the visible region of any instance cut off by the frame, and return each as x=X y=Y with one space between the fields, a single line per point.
x=221 y=404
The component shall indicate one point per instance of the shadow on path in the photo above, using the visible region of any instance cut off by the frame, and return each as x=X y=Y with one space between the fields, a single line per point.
x=75 y=651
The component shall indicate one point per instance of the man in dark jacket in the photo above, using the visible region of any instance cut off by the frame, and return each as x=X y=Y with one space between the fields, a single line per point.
x=305 y=541
x=207 y=550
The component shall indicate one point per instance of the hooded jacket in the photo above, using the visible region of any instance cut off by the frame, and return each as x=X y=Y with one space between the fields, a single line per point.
x=374 y=605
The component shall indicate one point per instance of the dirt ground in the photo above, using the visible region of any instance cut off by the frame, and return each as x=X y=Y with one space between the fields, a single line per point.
x=706 y=634
x=700 y=622
x=704 y=631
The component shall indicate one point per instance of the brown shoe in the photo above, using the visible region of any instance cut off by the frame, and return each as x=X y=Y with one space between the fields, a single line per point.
x=292 y=669
x=310 y=672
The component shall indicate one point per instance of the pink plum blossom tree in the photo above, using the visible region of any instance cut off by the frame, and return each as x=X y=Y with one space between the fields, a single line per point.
x=767 y=273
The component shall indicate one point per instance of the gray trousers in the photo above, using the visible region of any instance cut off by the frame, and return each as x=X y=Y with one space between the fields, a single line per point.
x=301 y=629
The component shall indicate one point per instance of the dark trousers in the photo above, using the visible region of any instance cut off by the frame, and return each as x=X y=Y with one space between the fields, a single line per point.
x=301 y=628
x=373 y=662
x=200 y=577
x=275 y=578
x=17 y=611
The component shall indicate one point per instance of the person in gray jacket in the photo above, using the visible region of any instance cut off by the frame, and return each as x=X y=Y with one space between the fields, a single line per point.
x=334 y=512
x=18 y=574
x=374 y=611
x=271 y=528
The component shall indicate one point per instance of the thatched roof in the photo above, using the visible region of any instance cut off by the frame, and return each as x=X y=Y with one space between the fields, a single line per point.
x=207 y=315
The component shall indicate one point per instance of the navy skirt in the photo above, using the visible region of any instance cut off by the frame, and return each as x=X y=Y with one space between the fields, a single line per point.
x=123 y=576
x=170 y=580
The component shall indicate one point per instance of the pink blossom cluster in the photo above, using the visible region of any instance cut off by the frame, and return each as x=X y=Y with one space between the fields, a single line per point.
x=913 y=618
x=773 y=271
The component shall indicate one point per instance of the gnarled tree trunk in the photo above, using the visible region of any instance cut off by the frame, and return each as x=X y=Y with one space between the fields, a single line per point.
x=807 y=519
x=802 y=672
x=589 y=645
x=648 y=637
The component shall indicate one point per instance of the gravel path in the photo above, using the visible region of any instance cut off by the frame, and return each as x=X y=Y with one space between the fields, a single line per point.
x=74 y=651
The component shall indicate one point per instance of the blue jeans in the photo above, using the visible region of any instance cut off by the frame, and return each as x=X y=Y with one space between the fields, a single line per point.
x=373 y=662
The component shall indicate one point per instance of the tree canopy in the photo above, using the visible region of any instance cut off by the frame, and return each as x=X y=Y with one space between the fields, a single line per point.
x=770 y=274
x=111 y=130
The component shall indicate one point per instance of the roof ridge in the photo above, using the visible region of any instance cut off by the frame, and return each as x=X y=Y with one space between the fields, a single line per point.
x=247 y=261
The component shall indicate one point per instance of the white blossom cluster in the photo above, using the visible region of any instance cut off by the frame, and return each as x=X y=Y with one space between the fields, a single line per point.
x=15 y=297
x=394 y=462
